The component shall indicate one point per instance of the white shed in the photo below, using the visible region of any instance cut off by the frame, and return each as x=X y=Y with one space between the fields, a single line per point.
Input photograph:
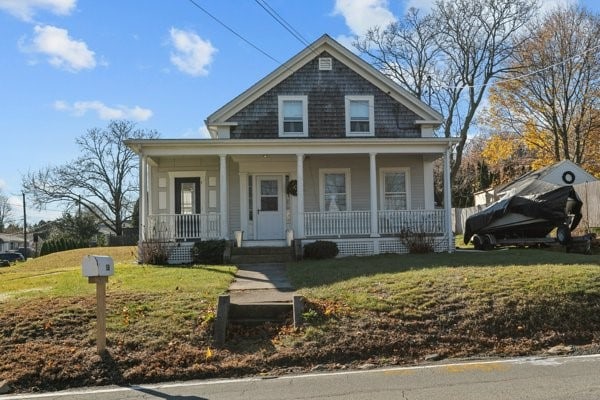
x=562 y=173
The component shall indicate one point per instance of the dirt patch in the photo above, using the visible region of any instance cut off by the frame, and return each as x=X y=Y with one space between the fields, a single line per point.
x=50 y=346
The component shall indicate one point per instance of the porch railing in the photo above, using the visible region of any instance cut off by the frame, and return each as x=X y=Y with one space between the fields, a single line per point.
x=183 y=226
x=337 y=223
x=358 y=223
x=421 y=221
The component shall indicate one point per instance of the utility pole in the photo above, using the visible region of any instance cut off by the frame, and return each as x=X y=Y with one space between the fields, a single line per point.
x=429 y=88
x=24 y=228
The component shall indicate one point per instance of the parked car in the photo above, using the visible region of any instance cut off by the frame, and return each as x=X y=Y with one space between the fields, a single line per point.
x=4 y=263
x=12 y=256
x=26 y=252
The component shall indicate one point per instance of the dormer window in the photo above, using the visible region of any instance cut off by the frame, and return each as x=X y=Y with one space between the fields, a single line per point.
x=359 y=116
x=293 y=116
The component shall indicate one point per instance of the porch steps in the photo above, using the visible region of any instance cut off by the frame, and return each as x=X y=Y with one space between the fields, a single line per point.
x=258 y=313
x=261 y=255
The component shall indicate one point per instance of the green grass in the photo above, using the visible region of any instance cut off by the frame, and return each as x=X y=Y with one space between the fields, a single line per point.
x=144 y=302
x=413 y=283
x=59 y=275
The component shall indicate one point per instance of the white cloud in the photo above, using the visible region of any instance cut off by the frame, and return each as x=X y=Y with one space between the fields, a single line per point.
x=425 y=5
x=80 y=108
x=360 y=15
x=192 y=54
x=204 y=133
x=26 y=9
x=346 y=41
x=2 y=184
x=551 y=5
x=62 y=51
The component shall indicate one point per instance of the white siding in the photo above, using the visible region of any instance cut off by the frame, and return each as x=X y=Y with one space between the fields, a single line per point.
x=359 y=175
x=180 y=164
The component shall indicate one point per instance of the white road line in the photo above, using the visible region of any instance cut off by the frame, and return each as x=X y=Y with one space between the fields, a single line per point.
x=548 y=361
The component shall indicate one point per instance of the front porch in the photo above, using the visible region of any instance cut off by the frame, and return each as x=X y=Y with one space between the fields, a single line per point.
x=360 y=194
x=317 y=225
x=351 y=230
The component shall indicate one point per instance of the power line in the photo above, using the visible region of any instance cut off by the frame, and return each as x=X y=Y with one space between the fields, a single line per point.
x=286 y=25
x=234 y=32
x=516 y=78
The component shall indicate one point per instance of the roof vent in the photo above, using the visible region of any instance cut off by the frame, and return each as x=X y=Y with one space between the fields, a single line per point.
x=325 y=63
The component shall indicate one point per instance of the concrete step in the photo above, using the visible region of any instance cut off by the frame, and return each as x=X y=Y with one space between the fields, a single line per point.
x=261 y=255
x=260 y=312
x=260 y=250
x=260 y=258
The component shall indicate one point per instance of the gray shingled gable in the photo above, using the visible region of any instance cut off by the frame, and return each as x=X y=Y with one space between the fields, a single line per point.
x=428 y=116
x=326 y=91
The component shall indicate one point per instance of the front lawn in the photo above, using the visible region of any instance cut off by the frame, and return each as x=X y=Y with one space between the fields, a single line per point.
x=380 y=310
x=155 y=316
x=504 y=302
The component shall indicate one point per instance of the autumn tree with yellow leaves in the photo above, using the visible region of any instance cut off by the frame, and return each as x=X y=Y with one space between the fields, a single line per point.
x=547 y=108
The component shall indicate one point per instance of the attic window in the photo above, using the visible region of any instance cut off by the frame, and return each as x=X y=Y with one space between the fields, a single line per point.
x=325 y=63
x=293 y=116
x=359 y=116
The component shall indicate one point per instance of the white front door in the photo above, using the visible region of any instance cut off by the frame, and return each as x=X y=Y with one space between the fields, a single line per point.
x=269 y=208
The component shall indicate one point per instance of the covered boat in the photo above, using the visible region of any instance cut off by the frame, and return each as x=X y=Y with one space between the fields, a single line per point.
x=533 y=212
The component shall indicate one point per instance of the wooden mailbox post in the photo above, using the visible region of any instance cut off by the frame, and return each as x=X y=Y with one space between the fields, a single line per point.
x=97 y=269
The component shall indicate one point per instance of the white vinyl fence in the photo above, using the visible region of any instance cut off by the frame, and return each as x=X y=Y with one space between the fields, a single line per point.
x=588 y=192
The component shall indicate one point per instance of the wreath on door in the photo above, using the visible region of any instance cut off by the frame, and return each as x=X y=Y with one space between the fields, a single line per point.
x=292 y=187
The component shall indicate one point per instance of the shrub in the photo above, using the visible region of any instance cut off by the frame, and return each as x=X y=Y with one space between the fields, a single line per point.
x=61 y=244
x=320 y=250
x=417 y=242
x=209 y=251
x=154 y=252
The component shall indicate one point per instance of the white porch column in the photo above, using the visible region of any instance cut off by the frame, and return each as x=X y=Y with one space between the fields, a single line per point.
x=300 y=195
x=223 y=196
x=142 y=199
x=448 y=199
x=373 y=193
x=244 y=202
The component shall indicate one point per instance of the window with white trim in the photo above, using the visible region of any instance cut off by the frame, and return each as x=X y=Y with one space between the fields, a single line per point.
x=293 y=116
x=335 y=189
x=395 y=188
x=360 y=120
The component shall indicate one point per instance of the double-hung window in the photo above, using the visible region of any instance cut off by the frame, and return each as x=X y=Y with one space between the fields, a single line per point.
x=360 y=116
x=335 y=189
x=293 y=116
x=395 y=185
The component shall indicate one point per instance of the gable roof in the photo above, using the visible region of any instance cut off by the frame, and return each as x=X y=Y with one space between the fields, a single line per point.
x=357 y=64
x=9 y=237
x=533 y=181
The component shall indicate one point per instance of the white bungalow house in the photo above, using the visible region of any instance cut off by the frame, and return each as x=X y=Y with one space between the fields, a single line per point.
x=324 y=147
x=10 y=242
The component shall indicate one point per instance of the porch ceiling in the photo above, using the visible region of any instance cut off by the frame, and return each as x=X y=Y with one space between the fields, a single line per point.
x=193 y=147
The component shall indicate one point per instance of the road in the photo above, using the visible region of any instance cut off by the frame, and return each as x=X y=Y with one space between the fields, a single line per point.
x=576 y=378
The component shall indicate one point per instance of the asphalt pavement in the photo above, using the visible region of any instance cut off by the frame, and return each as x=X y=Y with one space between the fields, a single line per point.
x=573 y=378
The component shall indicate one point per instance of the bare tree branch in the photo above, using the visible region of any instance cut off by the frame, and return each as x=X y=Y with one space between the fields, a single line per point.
x=102 y=180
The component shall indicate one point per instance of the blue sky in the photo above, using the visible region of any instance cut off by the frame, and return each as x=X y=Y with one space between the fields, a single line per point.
x=72 y=65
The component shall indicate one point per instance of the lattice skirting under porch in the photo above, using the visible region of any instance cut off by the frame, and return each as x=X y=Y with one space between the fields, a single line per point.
x=181 y=253
x=371 y=246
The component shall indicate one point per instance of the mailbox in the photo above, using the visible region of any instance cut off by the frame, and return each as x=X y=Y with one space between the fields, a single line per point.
x=97 y=266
